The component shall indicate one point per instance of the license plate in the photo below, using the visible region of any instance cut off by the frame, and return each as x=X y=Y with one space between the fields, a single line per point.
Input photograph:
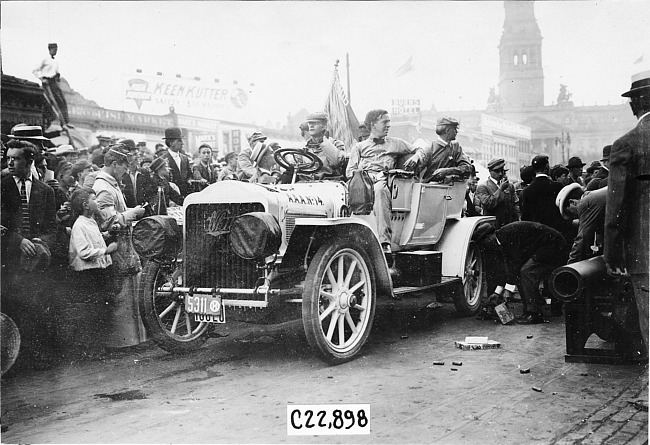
x=206 y=308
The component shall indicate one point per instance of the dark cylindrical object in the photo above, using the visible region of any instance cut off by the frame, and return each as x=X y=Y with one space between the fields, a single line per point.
x=568 y=283
x=255 y=235
x=157 y=236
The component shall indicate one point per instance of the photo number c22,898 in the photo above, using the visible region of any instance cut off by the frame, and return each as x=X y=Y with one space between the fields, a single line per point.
x=312 y=420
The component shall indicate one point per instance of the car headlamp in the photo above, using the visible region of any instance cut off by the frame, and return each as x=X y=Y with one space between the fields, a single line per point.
x=255 y=235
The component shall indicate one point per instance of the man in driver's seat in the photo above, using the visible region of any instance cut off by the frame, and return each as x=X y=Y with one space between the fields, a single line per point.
x=446 y=156
x=377 y=155
x=321 y=146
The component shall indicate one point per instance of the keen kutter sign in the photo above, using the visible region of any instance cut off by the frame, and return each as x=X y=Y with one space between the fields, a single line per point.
x=155 y=94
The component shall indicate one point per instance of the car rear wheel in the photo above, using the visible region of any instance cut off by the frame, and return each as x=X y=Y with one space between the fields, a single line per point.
x=468 y=301
x=163 y=312
x=338 y=304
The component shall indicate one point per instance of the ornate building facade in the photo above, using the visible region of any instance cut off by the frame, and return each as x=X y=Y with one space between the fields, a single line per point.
x=560 y=130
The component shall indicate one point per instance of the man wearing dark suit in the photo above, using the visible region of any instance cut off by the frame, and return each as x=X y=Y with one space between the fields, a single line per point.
x=627 y=226
x=600 y=179
x=179 y=164
x=27 y=212
x=497 y=195
x=530 y=252
x=538 y=199
x=472 y=205
x=133 y=191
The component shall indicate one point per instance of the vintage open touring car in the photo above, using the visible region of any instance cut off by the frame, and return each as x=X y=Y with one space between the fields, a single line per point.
x=295 y=248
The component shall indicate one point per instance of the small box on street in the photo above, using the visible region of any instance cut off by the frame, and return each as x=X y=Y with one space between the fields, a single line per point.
x=488 y=344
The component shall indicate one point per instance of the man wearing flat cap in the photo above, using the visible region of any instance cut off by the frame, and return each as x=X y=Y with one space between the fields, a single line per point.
x=497 y=195
x=321 y=146
x=600 y=178
x=229 y=172
x=445 y=155
x=246 y=166
x=48 y=72
x=179 y=163
x=575 y=171
x=627 y=227
x=123 y=316
x=156 y=189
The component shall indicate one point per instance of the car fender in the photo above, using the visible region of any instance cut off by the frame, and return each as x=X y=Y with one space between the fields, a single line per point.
x=311 y=233
x=454 y=243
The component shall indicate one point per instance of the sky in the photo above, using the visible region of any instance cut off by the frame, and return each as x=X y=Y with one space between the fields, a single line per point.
x=288 y=49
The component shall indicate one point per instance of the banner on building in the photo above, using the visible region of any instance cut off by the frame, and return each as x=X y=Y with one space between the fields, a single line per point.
x=196 y=97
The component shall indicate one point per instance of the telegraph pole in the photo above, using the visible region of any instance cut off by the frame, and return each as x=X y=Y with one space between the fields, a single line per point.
x=347 y=63
x=562 y=142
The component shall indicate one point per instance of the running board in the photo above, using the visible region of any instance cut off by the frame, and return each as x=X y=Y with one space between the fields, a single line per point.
x=410 y=289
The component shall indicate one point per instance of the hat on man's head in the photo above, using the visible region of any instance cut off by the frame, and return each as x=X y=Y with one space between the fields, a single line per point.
x=129 y=143
x=79 y=166
x=575 y=162
x=102 y=137
x=593 y=167
x=173 y=133
x=142 y=144
x=607 y=149
x=448 y=121
x=52 y=45
x=255 y=137
x=539 y=161
x=258 y=151
x=157 y=164
x=29 y=132
x=63 y=150
x=497 y=164
x=40 y=261
x=317 y=117
x=482 y=231
x=229 y=156
x=640 y=84
x=563 y=200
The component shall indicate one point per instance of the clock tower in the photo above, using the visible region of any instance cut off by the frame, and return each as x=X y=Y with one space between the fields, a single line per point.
x=521 y=79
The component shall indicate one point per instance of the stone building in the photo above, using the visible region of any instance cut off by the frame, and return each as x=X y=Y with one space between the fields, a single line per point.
x=560 y=130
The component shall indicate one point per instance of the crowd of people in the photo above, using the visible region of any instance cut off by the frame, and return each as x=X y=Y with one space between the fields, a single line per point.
x=68 y=212
x=563 y=214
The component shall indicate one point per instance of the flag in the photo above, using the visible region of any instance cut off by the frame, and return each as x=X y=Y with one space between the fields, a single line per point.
x=408 y=66
x=342 y=122
x=639 y=60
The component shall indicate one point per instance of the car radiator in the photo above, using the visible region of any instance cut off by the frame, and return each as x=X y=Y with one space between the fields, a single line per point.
x=209 y=260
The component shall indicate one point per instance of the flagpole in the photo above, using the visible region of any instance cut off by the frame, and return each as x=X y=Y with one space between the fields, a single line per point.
x=347 y=62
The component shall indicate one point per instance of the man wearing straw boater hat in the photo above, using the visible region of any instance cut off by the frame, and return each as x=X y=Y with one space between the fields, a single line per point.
x=627 y=227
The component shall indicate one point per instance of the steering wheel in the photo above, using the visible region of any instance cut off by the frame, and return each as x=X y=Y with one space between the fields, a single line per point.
x=300 y=161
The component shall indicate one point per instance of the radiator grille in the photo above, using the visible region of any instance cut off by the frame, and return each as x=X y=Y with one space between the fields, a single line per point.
x=291 y=222
x=209 y=260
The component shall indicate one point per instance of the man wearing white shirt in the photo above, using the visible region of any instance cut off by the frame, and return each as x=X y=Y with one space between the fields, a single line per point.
x=48 y=72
